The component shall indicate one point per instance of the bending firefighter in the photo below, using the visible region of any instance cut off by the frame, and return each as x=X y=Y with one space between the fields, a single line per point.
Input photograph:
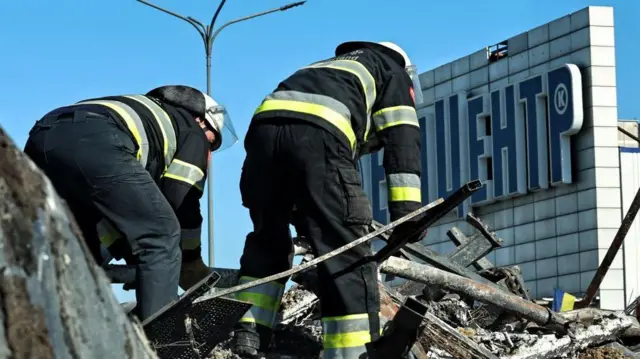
x=132 y=170
x=303 y=146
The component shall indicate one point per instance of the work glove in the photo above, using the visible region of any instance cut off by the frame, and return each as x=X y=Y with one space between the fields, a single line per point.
x=193 y=272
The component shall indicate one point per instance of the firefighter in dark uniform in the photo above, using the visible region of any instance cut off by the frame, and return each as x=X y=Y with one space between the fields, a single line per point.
x=303 y=146
x=132 y=170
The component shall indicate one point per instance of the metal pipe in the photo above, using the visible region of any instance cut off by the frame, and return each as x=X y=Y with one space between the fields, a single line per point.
x=467 y=287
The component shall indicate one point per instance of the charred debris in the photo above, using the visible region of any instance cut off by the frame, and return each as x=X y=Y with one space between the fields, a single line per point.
x=458 y=306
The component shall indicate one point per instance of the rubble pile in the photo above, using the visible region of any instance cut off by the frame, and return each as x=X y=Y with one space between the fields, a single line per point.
x=601 y=334
x=472 y=310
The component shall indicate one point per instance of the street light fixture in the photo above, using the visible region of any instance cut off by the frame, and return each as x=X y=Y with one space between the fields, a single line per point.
x=207 y=35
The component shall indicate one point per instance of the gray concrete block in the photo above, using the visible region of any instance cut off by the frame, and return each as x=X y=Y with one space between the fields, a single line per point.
x=592 y=16
x=580 y=39
x=539 y=54
x=580 y=19
x=429 y=96
x=498 y=84
x=560 y=46
x=498 y=70
x=520 y=76
x=478 y=59
x=479 y=77
x=461 y=83
x=442 y=73
x=518 y=62
x=559 y=61
x=538 y=36
x=560 y=27
x=518 y=44
x=444 y=89
x=427 y=79
x=460 y=67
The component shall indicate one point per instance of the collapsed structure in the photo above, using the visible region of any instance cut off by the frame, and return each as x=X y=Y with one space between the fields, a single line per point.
x=489 y=316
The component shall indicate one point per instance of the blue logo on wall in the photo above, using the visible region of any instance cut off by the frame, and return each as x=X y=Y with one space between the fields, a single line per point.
x=515 y=140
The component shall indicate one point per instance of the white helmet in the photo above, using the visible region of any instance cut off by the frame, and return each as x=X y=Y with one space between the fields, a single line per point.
x=198 y=102
x=398 y=49
x=411 y=69
x=218 y=118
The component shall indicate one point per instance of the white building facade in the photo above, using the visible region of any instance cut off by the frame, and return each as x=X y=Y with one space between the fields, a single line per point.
x=535 y=118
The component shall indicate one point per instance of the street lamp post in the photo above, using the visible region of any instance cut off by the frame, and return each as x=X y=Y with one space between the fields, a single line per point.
x=207 y=35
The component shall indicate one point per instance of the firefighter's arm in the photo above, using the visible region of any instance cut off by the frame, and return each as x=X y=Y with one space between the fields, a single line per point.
x=183 y=184
x=396 y=125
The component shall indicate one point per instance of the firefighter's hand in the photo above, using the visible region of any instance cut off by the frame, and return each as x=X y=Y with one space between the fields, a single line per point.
x=193 y=272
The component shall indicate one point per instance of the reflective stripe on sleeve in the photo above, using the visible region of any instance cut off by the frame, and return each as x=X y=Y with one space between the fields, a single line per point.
x=190 y=238
x=266 y=300
x=404 y=187
x=346 y=336
x=107 y=233
x=185 y=172
x=133 y=122
x=394 y=116
x=321 y=106
x=166 y=126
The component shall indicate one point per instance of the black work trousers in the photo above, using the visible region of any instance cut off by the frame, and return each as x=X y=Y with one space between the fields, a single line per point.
x=91 y=162
x=295 y=163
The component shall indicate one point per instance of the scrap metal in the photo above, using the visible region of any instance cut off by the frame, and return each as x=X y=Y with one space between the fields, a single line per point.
x=464 y=286
x=460 y=240
x=417 y=229
x=185 y=329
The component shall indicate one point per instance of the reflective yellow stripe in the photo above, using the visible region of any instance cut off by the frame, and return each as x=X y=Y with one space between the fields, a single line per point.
x=348 y=331
x=190 y=238
x=367 y=81
x=266 y=299
x=260 y=300
x=333 y=117
x=394 y=116
x=404 y=187
x=133 y=122
x=166 y=126
x=397 y=194
x=346 y=317
x=345 y=340
x=107 y=233
x=185 y=172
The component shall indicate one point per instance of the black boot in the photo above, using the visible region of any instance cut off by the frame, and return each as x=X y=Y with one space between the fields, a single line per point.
x=251 y=340
x=246 y=340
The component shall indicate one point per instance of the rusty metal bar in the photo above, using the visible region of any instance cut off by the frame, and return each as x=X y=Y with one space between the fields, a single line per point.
x=483 y=229
x=611 y=253
x=467 y=287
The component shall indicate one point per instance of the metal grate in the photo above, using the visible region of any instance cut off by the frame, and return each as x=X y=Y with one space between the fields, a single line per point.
x=186 y=330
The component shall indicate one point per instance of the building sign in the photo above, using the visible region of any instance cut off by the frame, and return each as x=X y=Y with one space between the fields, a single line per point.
x=515 y=139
